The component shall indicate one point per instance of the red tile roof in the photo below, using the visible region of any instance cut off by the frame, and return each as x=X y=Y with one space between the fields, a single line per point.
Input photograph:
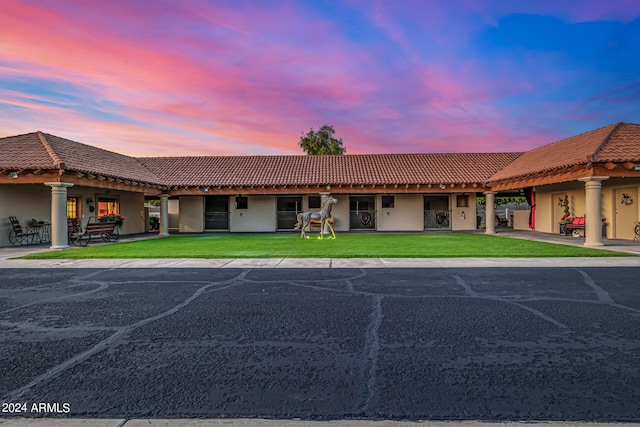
x=329 y=169
x=614 y=143
x=25 y=152
x=43 y=151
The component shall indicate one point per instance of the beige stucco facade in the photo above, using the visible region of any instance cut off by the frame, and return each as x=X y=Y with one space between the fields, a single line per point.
x=18 y=200
x=619 y=205
x=33 y=201
x=407 y=214
x=464 y=217
x=260 y=215
x=191 y=214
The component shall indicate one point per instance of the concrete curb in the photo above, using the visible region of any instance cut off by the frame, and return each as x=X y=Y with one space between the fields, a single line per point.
x=286 y=423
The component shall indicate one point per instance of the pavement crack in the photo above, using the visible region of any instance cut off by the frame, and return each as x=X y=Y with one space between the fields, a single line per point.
x=113 y=340
x=470 y=292
x=473 y=294
x=603 y=296
x=371 y=348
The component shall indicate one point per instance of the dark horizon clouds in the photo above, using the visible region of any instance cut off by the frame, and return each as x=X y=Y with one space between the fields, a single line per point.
x=209 y=77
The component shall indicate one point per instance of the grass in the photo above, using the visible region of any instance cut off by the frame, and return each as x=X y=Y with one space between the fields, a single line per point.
x=345 y=246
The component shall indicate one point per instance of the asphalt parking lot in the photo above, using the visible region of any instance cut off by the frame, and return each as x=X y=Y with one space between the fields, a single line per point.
x=322 y=344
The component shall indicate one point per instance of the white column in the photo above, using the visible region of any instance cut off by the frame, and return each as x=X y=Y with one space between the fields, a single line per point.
x=59 y=235
x=164 y=215
x=490 y=212
x=593 y=214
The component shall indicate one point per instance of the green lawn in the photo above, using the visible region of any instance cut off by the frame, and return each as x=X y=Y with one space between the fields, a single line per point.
x=345 y=246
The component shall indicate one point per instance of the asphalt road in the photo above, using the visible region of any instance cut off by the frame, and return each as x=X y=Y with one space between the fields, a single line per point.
x=454 y=344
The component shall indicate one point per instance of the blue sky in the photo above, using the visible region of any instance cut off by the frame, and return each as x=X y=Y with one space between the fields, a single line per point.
x=249 y=77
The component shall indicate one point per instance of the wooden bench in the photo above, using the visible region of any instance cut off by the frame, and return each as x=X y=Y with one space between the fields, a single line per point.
x=575 y=225
x=109 y=231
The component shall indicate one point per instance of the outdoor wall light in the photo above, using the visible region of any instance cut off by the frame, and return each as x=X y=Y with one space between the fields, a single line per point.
x=206 y=189
x=14 y=175
x=89 y=200
x=442 y=186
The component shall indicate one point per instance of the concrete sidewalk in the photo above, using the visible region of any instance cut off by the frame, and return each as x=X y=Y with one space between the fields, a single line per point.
x=8 y=254
x=322 y=263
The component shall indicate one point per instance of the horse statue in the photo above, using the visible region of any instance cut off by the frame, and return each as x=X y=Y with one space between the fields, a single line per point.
x=323 y=218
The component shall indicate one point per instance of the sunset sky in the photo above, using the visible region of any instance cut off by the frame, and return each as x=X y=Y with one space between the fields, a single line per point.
x=209 y=77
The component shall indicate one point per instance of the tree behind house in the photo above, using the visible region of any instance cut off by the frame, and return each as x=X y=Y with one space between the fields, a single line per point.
x=321 y=142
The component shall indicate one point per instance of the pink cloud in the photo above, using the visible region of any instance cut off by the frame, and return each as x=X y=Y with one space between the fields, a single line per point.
x=208 y=78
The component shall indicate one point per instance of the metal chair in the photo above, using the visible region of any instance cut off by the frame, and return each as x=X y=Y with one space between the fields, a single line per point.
x=19 y=236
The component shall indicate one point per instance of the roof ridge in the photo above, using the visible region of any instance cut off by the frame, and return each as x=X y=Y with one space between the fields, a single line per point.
x=56 y=160
x=605 y=142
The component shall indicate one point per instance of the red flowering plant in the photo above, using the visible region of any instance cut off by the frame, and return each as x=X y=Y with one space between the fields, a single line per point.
x=604 y=221
x=118 y=219
x=566 y=219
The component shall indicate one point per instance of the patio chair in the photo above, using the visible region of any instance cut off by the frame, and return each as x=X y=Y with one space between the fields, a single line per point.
x=501 y=222
x=19 y=236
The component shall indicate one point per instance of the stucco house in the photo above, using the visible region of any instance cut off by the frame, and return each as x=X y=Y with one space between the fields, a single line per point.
x=48 y=178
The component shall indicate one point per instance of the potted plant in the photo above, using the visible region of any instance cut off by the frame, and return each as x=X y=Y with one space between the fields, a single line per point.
x=118 y=219
x=566 y=216
x=604 y=226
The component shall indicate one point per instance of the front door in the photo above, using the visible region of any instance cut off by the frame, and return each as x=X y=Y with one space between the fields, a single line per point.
x=626 y=204
x=362 y=212
x=216 y=212
x=288 y=209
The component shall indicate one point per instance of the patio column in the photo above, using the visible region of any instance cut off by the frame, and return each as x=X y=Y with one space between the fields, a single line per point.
x=164 y=215
x=59 y=235
x=490 y=212
x=593 y=214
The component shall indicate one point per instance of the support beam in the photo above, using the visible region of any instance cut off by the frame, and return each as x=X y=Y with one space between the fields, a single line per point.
x=490 y=212
x=59 y=235
x=593 y=214
x=164 y=215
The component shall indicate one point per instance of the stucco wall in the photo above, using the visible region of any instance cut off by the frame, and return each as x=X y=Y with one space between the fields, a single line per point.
x=132 y=208
x=621 y=216
x=340 y=212
x=259 y=217
x=548 y=209
x=464 y=218
x=191 y=217
x=25 y=202
x=521 y=219
x=407 y=213
x=621 y=224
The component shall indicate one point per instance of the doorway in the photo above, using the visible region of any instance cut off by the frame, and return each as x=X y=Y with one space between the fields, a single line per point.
x=216 y=212
x=437 y=215
x=362 y=212
x=288 y=207
x=626 y=204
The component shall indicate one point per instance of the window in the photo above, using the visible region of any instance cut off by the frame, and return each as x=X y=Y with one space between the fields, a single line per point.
x=72 y=207
x=107 y=205
x=242 y=202
x=463 y=201
x=388 y=201
x=314 y=202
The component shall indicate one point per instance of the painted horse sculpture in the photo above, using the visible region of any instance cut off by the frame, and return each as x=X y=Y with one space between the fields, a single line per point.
x=323 y=218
